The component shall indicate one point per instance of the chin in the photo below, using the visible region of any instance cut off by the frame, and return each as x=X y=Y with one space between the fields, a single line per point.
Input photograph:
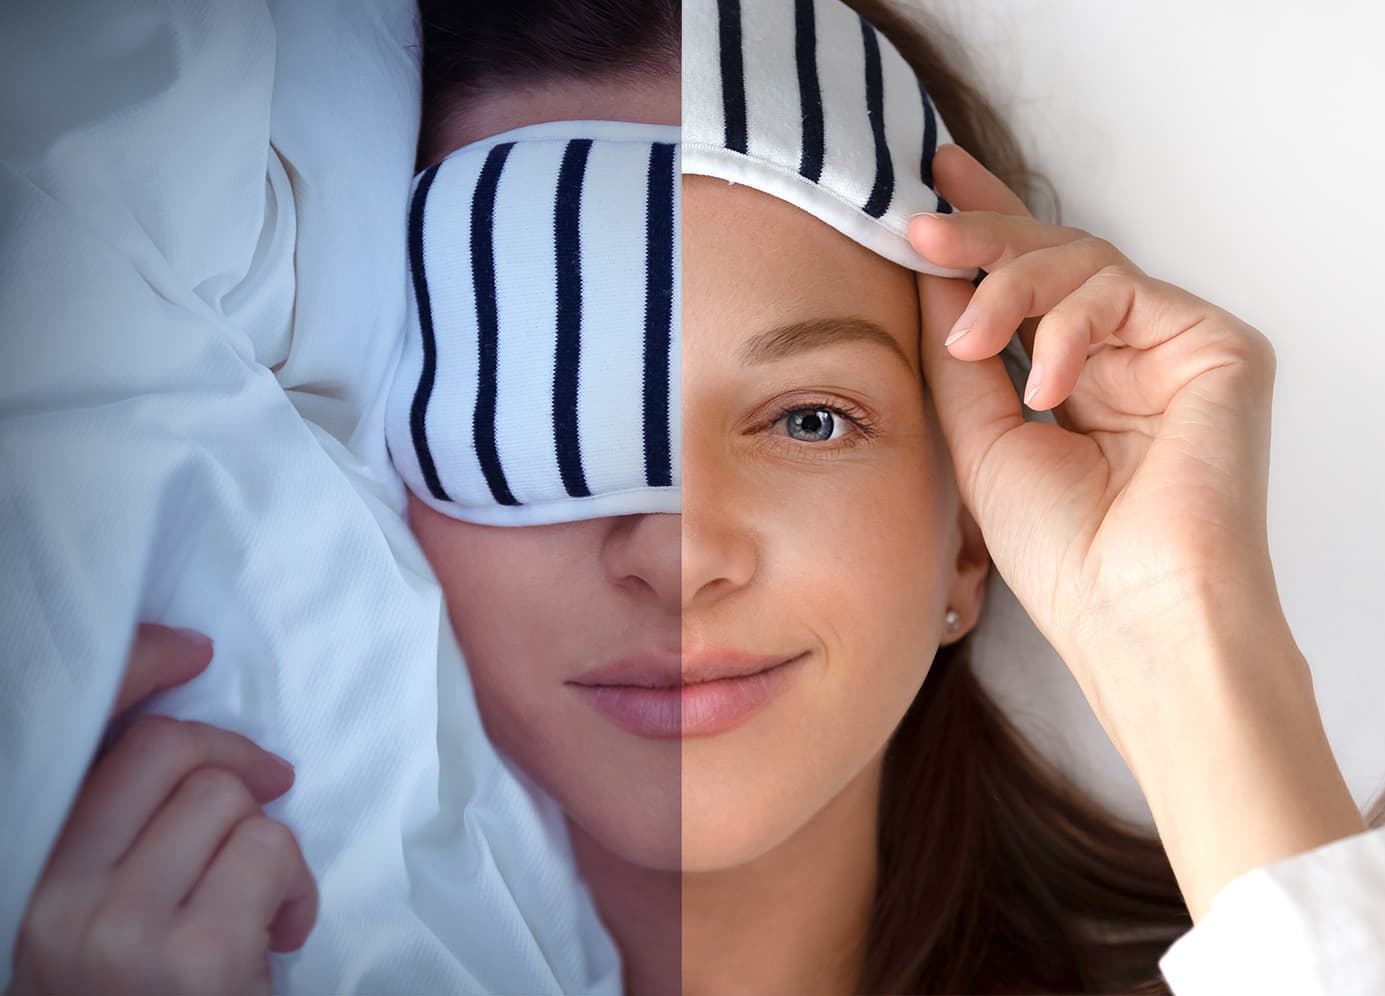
x=643 y=832
x=724 y=828
x=624 y=797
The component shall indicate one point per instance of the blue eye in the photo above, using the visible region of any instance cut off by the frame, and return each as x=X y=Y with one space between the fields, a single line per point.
x=814 y=425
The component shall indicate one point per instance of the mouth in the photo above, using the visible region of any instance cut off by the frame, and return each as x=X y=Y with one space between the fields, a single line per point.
x=697 y=695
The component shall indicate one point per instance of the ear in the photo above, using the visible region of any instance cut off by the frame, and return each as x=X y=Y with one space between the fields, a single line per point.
x=970 y=569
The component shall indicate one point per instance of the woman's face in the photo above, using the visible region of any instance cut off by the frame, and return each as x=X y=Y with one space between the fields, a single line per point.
x=535 y=609
x=820 y=518
x=820 y=526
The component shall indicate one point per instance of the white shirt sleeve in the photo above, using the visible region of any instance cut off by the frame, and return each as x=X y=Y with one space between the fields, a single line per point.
x=1310 y=924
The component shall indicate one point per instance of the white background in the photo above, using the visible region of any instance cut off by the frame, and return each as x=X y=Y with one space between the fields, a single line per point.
x=1235 y=149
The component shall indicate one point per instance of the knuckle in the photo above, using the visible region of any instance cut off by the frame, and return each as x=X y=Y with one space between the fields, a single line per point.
x=1236 y=347
x=1098 y=247
x=59 y=911
x=1258 y=353
x=40 y=943
x=1004 y=288
x=203 y=960
x=1116 y=271
x=219 y=787
x=43 y=924
x=269 y=836
x=116 y=946
x=162 y=736
x=1244 y=344
x=1261 y=347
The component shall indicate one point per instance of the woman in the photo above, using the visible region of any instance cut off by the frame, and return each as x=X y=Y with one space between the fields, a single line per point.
x=844 y=810
x=1132 y=532
x=807 y=637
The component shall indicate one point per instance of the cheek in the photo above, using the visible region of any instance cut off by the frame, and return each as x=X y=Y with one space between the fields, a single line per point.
x=516 y=601
x=485 y=605
x=868 y=581
x=532 y=610
x=857 y=562
x=859 y=552
x=849 y=564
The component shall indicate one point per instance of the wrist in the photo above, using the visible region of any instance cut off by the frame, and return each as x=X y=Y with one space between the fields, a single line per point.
x=1210 y=641
x=1229 y=748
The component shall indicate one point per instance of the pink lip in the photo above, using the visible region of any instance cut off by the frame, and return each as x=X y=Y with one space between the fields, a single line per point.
x=666 y=696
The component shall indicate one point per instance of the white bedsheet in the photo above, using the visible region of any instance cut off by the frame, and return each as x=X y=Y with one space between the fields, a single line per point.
x=195 y=198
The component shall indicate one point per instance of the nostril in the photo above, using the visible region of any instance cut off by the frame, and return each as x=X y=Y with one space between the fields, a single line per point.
x=642 y=554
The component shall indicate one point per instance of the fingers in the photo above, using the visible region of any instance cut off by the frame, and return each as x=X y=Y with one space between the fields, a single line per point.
x=140 y=772
x=209 y=887
x=167 y=808
x=161 y=657
x=1066 y=336
x=1129 y=310
x=994 y=225
x=985 y=239
x=259 y=877
x=969 y=186
x=1033 y=284
x=1089 y=293
x=165 y=863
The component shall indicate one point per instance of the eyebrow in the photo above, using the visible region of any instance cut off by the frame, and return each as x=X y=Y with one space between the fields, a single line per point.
x=797 y=337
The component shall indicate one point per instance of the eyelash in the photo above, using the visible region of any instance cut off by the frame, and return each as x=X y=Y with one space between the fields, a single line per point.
x=858 y=419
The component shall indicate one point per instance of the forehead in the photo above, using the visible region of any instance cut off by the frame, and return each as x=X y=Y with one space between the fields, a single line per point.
x=752 y=262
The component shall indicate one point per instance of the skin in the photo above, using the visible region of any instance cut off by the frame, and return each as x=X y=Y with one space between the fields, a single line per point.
x=1157 y=642
x=802 y=776
x=670 y=874
x=777 y=558
x=608 y=587
x=1133 y=531
x=1146 y=568
x=168 y=876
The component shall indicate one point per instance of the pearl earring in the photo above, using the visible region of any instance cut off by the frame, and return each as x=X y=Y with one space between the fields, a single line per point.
x=952 y=619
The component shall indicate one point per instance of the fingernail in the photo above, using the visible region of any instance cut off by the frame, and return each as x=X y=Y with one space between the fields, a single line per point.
x=961 y=326
x=929 y=214
x=284 y=773
x=1036 y=377
x=196 y=638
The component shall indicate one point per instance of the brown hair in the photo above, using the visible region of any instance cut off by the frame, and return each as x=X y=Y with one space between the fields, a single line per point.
x=472 y=47
x=996 y=873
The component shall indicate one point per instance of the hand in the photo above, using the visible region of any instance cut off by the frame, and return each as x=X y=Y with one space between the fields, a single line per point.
x=1133 y=530
x=167 y=876
x=1148 y=497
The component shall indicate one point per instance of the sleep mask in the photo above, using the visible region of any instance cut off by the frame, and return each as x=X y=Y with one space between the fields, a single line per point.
x=539 y=379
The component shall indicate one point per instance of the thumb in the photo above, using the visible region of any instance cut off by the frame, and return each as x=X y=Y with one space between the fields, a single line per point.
x=975 y=401
x=160 y=658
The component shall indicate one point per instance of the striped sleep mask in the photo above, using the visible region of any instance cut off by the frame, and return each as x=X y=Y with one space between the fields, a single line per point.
x=806 y=101
x=539 y=379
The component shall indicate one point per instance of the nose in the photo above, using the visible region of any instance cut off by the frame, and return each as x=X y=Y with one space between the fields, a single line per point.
x=642 y=552
x=719 y=549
